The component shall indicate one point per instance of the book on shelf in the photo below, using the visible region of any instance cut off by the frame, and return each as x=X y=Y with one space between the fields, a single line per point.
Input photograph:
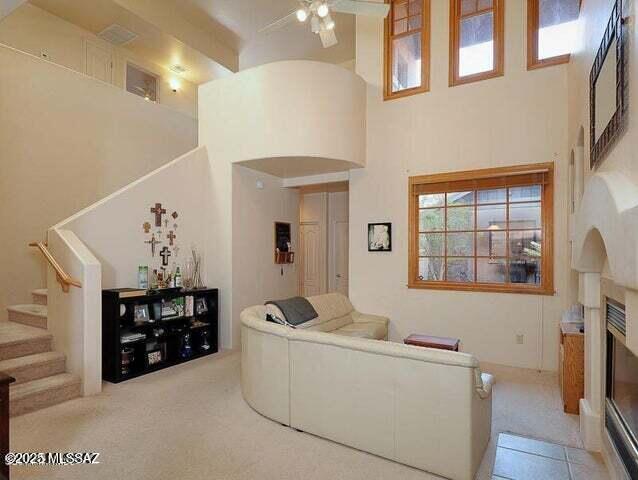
x=129 y=292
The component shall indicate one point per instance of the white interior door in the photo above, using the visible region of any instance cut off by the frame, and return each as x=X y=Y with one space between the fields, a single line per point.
x=310 y=242
x=340 y=257
x=99 y=62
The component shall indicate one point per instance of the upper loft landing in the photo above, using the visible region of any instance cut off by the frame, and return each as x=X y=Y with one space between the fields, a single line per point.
x=288 y=119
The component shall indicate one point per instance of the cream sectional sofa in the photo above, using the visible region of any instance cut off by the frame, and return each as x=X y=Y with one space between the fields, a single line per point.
x=430 y=409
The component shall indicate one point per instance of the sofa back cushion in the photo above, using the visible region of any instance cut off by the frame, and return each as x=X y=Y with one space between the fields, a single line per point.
x=334 y=310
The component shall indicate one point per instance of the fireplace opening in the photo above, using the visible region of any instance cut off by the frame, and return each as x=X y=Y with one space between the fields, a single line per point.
x=621 y=405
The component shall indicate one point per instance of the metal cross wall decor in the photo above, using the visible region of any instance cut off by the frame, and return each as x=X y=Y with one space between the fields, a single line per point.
x=152 y=242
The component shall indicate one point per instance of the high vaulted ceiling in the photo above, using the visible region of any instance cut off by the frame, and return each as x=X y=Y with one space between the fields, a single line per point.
x=244 y=19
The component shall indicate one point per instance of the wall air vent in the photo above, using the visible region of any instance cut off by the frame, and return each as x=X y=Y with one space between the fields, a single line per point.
x=615 y=313
x=117 y=34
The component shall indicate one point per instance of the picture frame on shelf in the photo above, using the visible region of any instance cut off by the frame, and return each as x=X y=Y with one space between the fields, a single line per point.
x=141 y=314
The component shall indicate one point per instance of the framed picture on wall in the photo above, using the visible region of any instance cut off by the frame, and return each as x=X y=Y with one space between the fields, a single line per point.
x=379 y=237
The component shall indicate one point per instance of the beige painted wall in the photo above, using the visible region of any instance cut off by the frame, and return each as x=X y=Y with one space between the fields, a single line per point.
x=516 y=119
x=35 y=31
x=256 y=277
x=67 y=141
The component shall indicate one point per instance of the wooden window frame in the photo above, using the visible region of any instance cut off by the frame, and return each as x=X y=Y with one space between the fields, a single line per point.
x=533 y=174
x=533 y=20
x=388 y=94
x=498 y=7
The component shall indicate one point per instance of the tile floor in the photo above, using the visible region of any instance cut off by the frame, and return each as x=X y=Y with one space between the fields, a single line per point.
x=523 y=458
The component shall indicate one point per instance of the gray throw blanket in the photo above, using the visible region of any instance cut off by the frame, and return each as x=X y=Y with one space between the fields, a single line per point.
x=297 y=310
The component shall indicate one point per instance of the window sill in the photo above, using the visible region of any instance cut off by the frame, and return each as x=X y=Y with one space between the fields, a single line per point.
x=548 y=62
x=406 y=93
x=477 y=77
x=481 y=287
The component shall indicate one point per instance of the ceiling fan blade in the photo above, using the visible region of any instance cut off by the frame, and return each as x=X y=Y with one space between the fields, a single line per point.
x=361 y=7
x=328 y=38
x=279 y=23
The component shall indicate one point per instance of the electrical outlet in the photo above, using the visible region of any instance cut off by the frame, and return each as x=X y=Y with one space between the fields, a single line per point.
x=520 y=339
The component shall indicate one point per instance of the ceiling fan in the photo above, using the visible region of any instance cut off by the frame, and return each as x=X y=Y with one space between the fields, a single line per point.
x=321 y=22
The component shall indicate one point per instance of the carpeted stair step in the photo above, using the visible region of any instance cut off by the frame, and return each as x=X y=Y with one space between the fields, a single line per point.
x=30 y=314
x=40 y=296
x=32 y=367
x=18 y=340
x=44 y=392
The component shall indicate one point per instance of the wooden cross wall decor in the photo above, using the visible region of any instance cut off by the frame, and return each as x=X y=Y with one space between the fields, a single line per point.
x=158 y=211
x=171 y=236
x=165 y=253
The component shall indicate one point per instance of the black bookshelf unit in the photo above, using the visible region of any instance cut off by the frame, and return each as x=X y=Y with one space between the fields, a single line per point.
x=143 y=332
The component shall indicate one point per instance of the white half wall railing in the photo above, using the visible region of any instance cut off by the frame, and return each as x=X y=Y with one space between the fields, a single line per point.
x=288 y=119
x=75 y=317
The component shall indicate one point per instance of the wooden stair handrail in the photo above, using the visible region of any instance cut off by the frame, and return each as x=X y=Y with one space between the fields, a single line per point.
x=64 y=278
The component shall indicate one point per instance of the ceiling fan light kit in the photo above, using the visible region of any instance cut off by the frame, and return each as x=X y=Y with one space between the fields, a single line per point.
x=302 y=14
x=321 y=21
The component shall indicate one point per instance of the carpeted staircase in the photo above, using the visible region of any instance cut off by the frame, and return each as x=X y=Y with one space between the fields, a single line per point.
x=26 y=355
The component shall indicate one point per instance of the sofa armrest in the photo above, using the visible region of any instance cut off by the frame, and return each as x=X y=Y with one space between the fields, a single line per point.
x=358 y=317
x=484 y=382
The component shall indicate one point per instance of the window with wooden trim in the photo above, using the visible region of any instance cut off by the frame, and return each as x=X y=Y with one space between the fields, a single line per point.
x=483 y=230
x=407 y=48
x=476 y=40
x=551 y=31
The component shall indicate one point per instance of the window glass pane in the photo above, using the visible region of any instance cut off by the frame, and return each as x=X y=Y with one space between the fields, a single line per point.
x=431 y=244
x=526 y=244
x=476 y=44
x=460 y=198
x=431 y=219
x=491 y=270
x=432 y=200
x=490 y=217
x=460 y=269
x=525 y=215
x=490 y=244
x=415 y=22
x=406 y=62
x=141 y=83
x=491 y=196
x=557 y=27
x=415 y=6
x=400 y=26
x=460 y=244
x=484 y=4
x=525 y=270
x=460 y=218
x=528 y=193
x=400 y=10
x=431 y=268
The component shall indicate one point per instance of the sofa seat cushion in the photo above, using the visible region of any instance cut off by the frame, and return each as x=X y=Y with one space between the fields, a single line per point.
x=372 y=330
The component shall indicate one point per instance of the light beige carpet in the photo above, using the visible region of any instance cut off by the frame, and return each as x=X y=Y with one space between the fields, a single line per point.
x=190 y=422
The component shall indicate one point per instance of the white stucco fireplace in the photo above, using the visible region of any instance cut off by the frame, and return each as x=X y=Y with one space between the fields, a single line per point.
x=605 y=254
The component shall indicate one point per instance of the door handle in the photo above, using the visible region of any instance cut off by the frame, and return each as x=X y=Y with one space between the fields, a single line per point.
x=338 y=276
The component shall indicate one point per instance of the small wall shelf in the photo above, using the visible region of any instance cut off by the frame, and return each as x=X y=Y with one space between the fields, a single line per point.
x=146 y=332
x=284 y=258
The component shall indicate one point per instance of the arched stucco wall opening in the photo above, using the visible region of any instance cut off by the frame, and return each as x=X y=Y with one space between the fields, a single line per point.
x=594 y=253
